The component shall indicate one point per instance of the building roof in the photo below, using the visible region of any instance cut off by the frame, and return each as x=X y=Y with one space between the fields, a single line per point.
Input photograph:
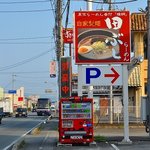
x=138 y=22
x=134 y=77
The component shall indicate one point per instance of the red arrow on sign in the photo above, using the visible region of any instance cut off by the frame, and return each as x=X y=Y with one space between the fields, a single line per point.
x=115 y=75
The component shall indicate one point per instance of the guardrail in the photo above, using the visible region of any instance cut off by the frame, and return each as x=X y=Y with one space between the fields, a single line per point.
x=15 y=144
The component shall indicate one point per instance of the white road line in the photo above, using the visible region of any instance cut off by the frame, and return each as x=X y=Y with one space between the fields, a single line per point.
x=114 y=146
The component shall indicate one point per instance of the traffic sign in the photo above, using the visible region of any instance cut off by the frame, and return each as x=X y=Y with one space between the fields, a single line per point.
x=12 y=91
x=101 y=75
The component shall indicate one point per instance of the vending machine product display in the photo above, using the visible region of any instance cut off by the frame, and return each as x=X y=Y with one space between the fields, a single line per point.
x=76 y=120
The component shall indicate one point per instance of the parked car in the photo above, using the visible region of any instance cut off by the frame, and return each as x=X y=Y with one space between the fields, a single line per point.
x=21 y=112
x=1 y=118
x=1 y=114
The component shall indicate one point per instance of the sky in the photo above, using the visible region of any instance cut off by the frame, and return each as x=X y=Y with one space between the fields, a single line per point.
x=27 y=44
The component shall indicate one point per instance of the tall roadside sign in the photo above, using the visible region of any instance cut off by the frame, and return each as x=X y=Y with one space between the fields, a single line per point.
x=102 y=37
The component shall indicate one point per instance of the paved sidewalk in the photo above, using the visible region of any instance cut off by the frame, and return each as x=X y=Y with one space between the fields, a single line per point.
x=48 y=137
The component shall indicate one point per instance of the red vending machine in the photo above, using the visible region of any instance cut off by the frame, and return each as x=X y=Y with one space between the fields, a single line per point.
x=76 y=120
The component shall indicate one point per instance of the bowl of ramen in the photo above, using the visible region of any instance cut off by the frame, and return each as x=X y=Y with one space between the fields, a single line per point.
x=96 y=44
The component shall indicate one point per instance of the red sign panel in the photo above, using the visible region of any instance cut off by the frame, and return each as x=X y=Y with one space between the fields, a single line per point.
x=65 y=76
x=20 y=98
x=102 y=37
x=68 y=35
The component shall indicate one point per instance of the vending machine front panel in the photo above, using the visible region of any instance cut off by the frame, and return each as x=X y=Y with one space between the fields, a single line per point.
x=76 y=121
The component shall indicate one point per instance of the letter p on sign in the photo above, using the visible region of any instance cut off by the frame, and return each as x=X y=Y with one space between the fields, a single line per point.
x=92 y=73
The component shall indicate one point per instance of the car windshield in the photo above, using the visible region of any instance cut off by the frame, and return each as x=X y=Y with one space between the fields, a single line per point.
x=21 y=109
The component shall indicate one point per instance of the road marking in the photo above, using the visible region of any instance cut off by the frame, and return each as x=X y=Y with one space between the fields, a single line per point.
x=114 y=146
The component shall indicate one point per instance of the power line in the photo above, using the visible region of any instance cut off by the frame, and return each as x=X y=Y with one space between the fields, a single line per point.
x=25 y=72
x=65 y=7
x=26 y=42
x=26 y=11
x=33 y=77
x=24 y=61
x=67 y=15
x=52 y=4
x=25 y=2
x=25 y=38
x=119 y=2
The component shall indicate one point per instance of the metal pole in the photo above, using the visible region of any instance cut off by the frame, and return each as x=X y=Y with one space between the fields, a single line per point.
x=110 y=5
x=111 y=104
x=70 y=54
x=148 y=51
x=90 y=88
x=111 y=93
x=79 y=79
x=13 y=88
x=70 y=50
x=125 y=105
x=89 y=5
x=13 y=81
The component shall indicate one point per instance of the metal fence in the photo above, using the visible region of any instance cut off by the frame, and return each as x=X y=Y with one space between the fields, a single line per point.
x=112 y=115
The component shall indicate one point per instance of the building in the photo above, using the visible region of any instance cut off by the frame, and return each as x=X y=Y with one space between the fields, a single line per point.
x=138 y=78
x=16 y=99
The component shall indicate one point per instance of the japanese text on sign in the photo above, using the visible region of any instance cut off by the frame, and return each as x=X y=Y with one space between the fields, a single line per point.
x=65 y=76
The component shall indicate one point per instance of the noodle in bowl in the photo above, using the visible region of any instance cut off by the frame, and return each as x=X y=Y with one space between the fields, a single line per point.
x=92 y=44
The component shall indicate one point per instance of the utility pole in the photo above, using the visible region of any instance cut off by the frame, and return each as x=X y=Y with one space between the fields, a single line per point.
x=59 y=47
x=90 y=88
x=13 y=88
x=110 y=4
x=13 y=81
x=111 y=87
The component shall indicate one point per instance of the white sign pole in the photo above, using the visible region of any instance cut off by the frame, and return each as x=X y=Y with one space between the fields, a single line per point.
x=79 y=80
x=125 y=105
x=90 y=88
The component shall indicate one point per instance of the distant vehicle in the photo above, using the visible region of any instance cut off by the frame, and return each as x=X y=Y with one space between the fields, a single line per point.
x=7 y=107
x=21 y=112
x=34 y=110
x=53 y=109
x=43 y=107
x=1 y=114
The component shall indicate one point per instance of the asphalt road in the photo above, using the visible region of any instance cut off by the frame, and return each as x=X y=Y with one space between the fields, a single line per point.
x=12 y=128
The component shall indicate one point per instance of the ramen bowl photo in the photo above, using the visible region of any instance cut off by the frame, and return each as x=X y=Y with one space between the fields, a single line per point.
x=95 y=44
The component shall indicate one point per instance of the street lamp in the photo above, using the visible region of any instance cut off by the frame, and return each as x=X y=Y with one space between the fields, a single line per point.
x=135 y=61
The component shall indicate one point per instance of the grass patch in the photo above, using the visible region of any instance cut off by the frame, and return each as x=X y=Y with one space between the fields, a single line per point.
x=37 y=130
x=21 y=145
x=121 y=126
x=100 y=138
